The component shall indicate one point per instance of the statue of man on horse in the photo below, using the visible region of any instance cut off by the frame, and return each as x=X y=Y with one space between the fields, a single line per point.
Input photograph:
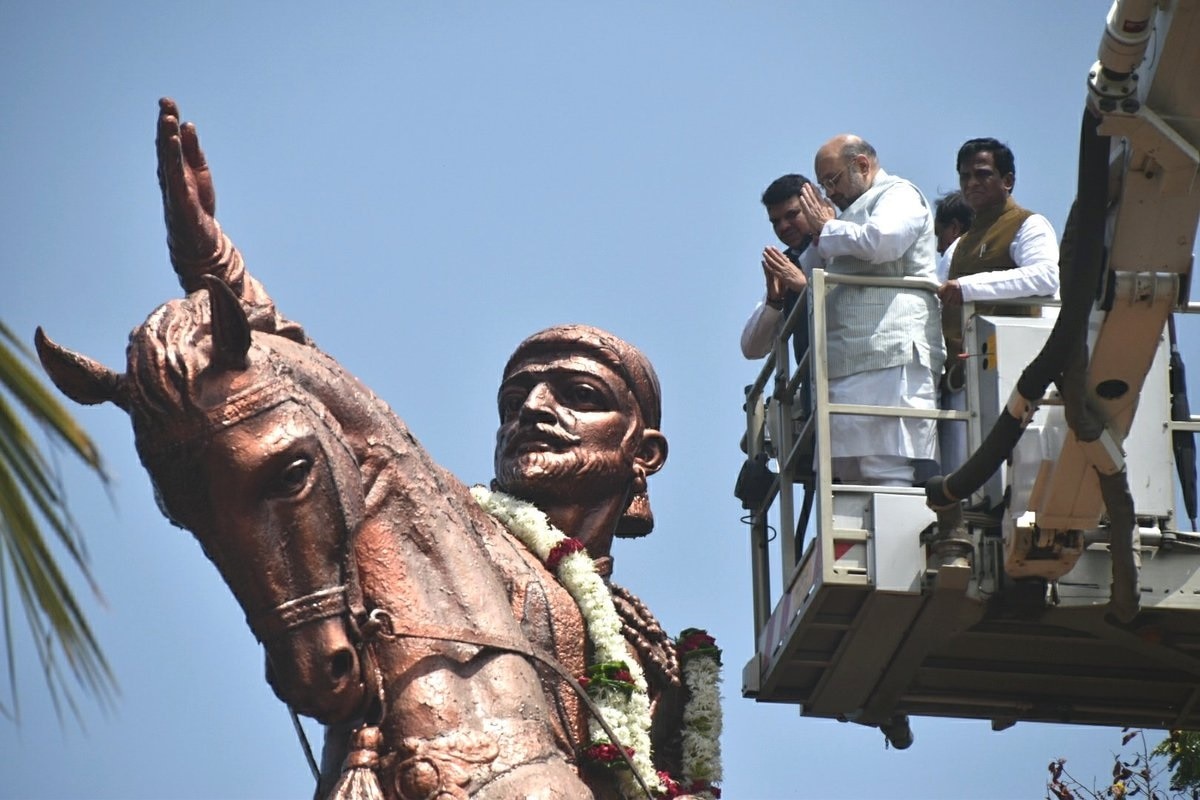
x=459 y=643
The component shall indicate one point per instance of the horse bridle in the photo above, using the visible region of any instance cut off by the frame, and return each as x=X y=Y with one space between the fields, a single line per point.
x=344 y=599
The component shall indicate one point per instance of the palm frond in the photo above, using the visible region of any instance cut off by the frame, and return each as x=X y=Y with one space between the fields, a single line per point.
x=33 y=505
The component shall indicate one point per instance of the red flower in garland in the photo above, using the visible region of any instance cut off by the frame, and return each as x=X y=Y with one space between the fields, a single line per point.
x=695 y=641
x=606 y=754
x=670 y=786
x=564 y=548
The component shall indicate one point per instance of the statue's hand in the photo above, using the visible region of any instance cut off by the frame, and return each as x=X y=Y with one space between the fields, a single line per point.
x=189 y=203
x=198 y=247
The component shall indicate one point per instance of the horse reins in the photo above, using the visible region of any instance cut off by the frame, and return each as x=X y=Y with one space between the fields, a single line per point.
x=380 y=624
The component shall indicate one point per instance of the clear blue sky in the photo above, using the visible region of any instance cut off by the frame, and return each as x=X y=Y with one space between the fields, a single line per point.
x=423 y=185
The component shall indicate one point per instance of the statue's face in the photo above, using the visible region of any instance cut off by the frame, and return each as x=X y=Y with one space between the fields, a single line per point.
x=569 y=430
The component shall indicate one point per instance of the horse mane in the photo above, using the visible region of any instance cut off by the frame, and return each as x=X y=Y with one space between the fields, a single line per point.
x=165 y=358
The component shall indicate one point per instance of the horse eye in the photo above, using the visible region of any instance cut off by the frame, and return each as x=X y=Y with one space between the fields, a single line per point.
x=294 y=476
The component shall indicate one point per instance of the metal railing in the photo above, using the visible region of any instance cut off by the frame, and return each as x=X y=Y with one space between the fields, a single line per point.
x=790 y=445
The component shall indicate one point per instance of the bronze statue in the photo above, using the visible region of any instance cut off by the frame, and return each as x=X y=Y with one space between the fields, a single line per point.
x=438 y=630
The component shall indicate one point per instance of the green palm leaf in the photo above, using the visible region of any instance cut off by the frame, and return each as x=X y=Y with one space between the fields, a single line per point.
x=34 y=517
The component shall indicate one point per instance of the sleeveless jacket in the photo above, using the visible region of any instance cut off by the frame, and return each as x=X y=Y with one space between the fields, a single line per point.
x=985 y=248
x=871 y=327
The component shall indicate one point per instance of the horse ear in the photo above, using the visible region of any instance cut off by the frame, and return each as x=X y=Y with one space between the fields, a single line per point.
x=77 y=376
x=230 y=325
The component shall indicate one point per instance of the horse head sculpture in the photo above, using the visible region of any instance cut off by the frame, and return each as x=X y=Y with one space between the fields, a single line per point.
x=250 y=460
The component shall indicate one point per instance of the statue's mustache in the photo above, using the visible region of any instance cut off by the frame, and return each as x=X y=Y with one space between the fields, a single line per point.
x=543 y=432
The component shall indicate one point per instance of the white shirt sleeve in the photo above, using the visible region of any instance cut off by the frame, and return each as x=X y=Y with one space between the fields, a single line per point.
x=943 y=264
x=894 y=224
x=761 y=329
x=1035 y=252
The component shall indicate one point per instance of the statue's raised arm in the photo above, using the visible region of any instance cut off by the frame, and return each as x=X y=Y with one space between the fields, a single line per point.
x=197 y=245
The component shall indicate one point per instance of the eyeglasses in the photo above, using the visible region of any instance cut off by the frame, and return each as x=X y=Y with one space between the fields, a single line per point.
x=828 y=183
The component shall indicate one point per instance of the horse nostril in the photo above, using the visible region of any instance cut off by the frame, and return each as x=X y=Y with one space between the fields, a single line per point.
x=341 y=664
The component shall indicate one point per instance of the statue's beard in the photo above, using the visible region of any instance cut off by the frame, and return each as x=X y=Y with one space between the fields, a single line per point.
x=573 y=476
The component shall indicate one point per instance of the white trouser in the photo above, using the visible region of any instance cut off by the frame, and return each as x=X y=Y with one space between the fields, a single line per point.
x=880 y=450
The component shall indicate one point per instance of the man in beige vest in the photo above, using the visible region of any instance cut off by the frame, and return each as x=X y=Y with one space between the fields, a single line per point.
x=1009 y=252
x=883 y=345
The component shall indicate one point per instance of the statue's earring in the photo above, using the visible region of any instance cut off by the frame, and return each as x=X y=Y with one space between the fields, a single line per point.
x=639 y=479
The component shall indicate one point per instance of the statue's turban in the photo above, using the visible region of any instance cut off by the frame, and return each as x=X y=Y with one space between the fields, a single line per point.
x=615 y=353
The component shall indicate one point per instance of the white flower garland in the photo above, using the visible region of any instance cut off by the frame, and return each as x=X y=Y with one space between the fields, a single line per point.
x=702 y=721
x=627 y=714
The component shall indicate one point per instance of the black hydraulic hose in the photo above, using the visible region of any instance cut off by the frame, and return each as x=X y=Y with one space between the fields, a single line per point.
x=1081 y=417
x=1081 y=280
x=1124 y=596
x=1081 y=267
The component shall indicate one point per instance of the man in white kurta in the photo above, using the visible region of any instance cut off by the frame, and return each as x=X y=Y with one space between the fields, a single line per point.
x=884 y=345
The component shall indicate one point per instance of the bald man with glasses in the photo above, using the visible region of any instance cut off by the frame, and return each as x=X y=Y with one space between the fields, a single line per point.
x=884 y=345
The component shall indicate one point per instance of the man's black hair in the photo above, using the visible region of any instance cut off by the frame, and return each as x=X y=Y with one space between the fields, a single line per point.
x=783 y=189
x=1002 y=157
x=951 y=207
